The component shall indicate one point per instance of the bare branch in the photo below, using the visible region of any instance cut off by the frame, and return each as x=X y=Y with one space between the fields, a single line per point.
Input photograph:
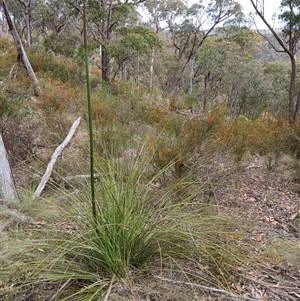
x=54 y=157
x=207 y=288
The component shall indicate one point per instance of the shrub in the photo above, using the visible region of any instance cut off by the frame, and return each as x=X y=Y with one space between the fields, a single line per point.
x=259 y=136
x=62 y=69
x=57 y=96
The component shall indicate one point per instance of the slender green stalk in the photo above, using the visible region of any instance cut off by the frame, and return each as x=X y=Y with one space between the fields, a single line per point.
x=89 y=111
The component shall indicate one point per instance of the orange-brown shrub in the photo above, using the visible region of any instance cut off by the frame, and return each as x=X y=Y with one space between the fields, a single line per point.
x=153 y=115
x=102 y=113
x=258 y=136
x=163 y=149
x=57 y=95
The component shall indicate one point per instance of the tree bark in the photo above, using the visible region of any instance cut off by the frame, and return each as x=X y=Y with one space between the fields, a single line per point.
x=21 y=52
x=28 y=25
x=105 y=62
x=7 y=187
x=297 y=110
x=292 y=113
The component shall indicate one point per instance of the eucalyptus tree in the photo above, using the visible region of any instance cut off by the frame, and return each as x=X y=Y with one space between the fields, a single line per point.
x=157 y=12
x=189 y=27
x=220 y=57
x=132 y=42
x=112 y=23
x=22 y=56
x=59 y=28
x=287 y=43
x=223 y=72
x=26 y=15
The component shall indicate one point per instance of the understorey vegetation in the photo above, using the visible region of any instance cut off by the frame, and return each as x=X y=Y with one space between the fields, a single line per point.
x=196 y=159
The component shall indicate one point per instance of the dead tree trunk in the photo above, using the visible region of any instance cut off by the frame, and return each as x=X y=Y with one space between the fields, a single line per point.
x=21 y=52
x=7 y=187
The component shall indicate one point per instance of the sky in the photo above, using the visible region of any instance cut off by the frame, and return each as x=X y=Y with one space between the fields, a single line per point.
x=271 y=7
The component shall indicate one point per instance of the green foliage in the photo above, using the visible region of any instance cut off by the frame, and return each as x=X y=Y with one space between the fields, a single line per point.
x=65 y=45
x=243 y=37
x=15 y=108
x=57 y=68
x=140 y=39
x=128 y=234
x=291 y=19
x=137 y=228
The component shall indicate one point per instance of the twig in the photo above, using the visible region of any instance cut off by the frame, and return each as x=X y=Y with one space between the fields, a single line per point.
x=207 y=288
x=269 y=287
x=60 y=289
x=110 y=287
x=54 y=157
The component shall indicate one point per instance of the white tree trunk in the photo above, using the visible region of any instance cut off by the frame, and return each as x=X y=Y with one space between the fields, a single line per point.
x=7 y=187
x=151 y=68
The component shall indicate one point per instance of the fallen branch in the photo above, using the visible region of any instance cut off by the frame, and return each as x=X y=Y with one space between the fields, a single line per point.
x=64 y=180
x=54 y=157
x=207 y=288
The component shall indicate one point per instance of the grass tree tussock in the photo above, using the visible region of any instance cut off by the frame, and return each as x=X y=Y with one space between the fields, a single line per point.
x=139 y=229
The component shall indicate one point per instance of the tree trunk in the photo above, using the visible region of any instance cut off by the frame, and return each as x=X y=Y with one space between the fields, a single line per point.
x=191 y=77
x=7 y=187
x=105 y=62
x=28 y=25
x=174 y=92
x=292 y=113
x=125 y=71
x=21 y=51
x=138 y=72
x=206 y=90
x=151 y=69
x=297 y=110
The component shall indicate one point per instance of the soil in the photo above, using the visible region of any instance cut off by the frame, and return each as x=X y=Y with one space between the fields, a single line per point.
x=269 y=199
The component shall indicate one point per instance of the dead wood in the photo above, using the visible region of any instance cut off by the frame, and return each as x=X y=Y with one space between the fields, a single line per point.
x=68 y=181
x=206 y=288
x=53 y=159
x=7 y=187
x=21 y=51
